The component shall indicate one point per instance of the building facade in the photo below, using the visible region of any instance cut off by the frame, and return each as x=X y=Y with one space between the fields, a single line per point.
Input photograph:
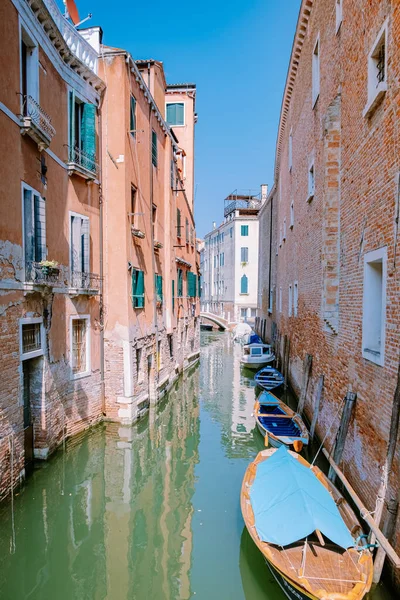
x=151 y=264
x=49 y=237
x=329 y=252
x=230 y=260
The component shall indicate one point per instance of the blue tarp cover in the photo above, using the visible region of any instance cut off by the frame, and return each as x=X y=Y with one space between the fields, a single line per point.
x=290 y=503
x=254 y=339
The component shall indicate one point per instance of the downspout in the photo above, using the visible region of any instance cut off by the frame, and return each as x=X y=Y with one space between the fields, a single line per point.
x=270 y=255
x=101 y=300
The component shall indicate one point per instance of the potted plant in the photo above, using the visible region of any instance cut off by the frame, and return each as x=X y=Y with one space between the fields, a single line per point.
x=49 y=267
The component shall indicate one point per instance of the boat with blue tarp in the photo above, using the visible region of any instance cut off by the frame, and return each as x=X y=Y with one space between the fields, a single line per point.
x=269 y=378
x=305 y=529
x=278 y=423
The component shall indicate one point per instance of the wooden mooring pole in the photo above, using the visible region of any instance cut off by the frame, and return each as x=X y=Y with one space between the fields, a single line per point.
x=317 y=403
x=390 y=551
x=342 y=432
x=380 y=502
x=306 y=376
x=286 y=364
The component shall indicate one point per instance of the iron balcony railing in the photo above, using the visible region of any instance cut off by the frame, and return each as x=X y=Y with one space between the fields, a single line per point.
x=61 y=277
x=254 y=204
x=34 y=115
x=82 y=161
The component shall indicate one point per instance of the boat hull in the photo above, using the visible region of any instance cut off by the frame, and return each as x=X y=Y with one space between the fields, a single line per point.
x=256 y=365
x=288 y=587
x=271 y=441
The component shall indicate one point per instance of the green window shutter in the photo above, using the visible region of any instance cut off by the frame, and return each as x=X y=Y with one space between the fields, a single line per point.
x=158 y=286
x=173 y=295
x=199 y=286
x=137 y=288
x=176 y=114
x=178 y=223
x=189 y=289
x=244 y=230
x=171 y=114
x=132 y=122
x=154 y=149
x=179 y=113
x=134 y=287
x=88 y=134
x=71 y=116
x=243 y=285
x=180 y=283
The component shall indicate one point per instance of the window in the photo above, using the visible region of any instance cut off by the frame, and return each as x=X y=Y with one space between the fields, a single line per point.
x=231 y=232
x=222 y=237
x=280 y=299
x=80 y=346
x=315 y=73
x=284 y=229
x=295 y=298
x=137 y=288
x=34 y=226
x=244 y=230
x=290 y=150
x=79 y=246
x=291 y=215
x=339 y=13
x=154 y=149
x=173 y=175
x=31 y=337
x=175 y=113
x=173 y=295
x=82 y=133
x=311 y=182
x=29 y=72
x=180 y=283
x=215 y=261
x=178 y=223
x=187 y=230
x=133 y=214
x=271 y=299
x=154 y=220
x=244 y=285
x=244 y=255
x=243 y=313
x=374 y=306
x=139 y=373
x=171 y=345
x=158 y=284
x=253 y=312
x=290 y=311
x=377 y=72
x=132 y=120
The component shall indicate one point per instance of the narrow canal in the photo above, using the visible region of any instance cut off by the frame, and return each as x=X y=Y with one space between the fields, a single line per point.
x=148 y=512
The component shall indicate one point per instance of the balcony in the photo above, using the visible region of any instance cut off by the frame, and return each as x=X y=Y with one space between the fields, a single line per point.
x=83 y=164
x=73 y=283
x=138 y=233
x=157 y=245
x=36 y=123
x=250 y=205
x=84 y=283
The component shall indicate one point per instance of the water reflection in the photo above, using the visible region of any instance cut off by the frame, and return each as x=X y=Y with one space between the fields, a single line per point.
x=150 y=511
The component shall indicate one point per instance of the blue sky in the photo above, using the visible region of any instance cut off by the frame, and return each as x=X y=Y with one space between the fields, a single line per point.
x=237 y=53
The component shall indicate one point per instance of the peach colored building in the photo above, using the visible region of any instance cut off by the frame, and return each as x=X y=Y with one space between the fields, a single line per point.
x=49 y=234
x=151 y=265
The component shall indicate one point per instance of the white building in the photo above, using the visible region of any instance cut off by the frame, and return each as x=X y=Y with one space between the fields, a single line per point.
x=229 y=260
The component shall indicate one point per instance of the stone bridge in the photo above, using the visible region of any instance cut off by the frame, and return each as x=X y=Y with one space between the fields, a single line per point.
x=218 y=320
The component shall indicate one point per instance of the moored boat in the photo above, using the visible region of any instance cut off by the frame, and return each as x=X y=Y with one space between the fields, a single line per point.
x=278 y=423
x=256 y=355
x=305 y=529
x=269 y=378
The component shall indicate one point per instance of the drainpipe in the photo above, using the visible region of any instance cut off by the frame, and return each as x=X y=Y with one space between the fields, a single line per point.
x=270 y=254
x=101 y=300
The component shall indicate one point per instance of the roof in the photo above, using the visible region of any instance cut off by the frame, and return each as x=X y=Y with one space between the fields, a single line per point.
x=289 y=503
x=172 y=86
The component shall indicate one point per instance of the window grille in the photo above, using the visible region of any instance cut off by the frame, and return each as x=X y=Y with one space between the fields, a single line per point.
x=79 y=349
x=380 y=65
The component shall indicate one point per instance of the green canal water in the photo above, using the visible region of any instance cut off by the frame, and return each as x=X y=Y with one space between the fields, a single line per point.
x=149 y=512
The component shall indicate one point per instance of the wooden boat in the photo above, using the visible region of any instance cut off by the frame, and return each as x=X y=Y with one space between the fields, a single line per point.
x=278 y=423
x=257 y=355
x=323 y=562
x=269 y=378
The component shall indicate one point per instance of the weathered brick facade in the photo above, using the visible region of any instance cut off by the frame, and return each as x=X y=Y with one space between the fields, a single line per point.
x=336 y=192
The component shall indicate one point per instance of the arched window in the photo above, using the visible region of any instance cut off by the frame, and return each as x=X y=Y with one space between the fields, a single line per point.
x=244 y=284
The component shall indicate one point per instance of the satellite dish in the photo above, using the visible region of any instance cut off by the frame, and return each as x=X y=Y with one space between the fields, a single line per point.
x=72 y=11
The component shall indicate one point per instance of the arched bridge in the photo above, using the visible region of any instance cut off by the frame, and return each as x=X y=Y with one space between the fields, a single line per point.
x=220 y=321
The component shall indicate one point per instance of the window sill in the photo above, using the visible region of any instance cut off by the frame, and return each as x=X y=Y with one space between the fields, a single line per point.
x=244 y=294
x=374 y=356
x=33 y=354
x=374 y=102
x=80 y=375
x=310 y=197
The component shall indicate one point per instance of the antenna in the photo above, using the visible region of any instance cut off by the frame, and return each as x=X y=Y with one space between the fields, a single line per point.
x=71 y=12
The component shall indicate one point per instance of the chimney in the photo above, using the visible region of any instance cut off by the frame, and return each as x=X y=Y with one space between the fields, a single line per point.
x=214 y=225
x=93 y=35
x=264 y=192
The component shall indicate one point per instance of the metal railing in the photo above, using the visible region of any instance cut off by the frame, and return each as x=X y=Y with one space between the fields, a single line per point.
x=79 y=158
x=61 y=277
x=253 y=204
x=39 y=117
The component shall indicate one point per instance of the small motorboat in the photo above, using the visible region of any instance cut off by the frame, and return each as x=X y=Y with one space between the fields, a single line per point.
x=269 y=378
x=256 y=355
x=241 y=332
x=278 y=423
x=305 y=529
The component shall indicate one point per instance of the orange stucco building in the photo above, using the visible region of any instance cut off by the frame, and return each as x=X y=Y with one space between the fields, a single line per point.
x=150 y=260
x=49 y=234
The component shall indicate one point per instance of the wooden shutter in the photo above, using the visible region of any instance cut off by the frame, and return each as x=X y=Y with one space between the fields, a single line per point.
x=159 y=288
x=179 y=114
x=29 y=245
x=134 y=287
x=243 y=285
x=132 y=123
x=76 y=244
x=178 y=223
x=173 y=295
x=71 y=139
x=140 y=289
x=199 y=286
x=88 y=134
x=154 y=149
x=39 y=209
x=85 y=245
